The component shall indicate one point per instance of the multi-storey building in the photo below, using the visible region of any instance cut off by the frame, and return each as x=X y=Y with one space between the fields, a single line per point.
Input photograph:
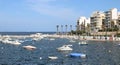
x=96 y=20
x=118 y=21
x=100 y=20
x=82 y=23
x=111 y=17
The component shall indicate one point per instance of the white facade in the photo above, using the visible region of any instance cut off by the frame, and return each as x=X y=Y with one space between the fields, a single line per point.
x=118 y=15
x=96 y=20
x=111 y=15
x=114 y=13
x=100 y=20
x=83 y=21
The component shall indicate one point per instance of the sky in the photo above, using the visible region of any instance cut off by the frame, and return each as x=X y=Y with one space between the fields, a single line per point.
x=44 y=15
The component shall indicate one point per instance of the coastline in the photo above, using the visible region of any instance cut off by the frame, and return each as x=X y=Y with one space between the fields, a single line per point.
x=71 y=37
x=87 y=38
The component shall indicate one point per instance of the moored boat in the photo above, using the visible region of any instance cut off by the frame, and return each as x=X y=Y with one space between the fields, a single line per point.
x=81 y=55
x=65 y=48
x=52 y=57
x=29 y=47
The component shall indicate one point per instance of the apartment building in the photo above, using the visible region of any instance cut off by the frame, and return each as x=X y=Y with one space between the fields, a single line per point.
x=100 y=20
x=82 y=23
x=96 y=20
x=118 y=21
x=111 y=17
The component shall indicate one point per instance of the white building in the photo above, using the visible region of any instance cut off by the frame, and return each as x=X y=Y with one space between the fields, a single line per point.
x=114 y=13
x=100 y=20
x=96 y=20
x=111 y=15
x=118 y=22
x=82 y=23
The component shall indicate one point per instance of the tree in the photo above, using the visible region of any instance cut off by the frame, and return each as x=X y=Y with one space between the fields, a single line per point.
x=116 y=29
x=61 y=29
x=88 y=28
x=112 y=25
x=66 y=28
x=71 y=28
x=57 y=29
x=103 y=27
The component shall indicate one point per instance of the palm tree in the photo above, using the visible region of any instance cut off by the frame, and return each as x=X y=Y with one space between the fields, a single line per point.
x=117 y=29
x=77 y=29
x=88 y=28
x=103 y=27
x=112 y=25
x=57 y=29
x=95 y=24
x=61 y=29
x=71 y=28
x=84 y=26
x=66 y=29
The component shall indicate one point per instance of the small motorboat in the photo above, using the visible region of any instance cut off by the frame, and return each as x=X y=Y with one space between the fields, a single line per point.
x=29 y=47
x=52 y=57
x=16 y=43
x=65 y=48
x=11 y=42
x=52 y=39
x=82 y=43
x=81 y=55
x=72 y=41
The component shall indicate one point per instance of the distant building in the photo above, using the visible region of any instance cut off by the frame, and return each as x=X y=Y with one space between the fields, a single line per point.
x=100 y=20
x=82 y=23
x=96 y=20
x=118 y=21
x=111 y=17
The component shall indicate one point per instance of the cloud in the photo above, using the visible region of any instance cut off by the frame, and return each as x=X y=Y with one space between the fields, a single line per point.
x=52 y=8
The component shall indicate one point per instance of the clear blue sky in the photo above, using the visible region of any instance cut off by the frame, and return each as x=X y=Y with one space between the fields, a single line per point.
x=44 y=15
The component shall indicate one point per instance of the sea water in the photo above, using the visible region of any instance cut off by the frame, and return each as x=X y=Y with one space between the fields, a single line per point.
x=98 y=53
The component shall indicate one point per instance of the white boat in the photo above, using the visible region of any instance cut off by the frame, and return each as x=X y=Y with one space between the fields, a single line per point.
x=16 y=43
x=52 y=39
x=6 y=41
x=65 y=48
x=83 y=43
x=52 y=57
x=29 y=47
x=11 y=42
x=72 y=41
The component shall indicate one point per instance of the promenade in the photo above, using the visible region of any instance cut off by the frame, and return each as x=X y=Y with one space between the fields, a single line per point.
x=90 y=38
x=74 y=37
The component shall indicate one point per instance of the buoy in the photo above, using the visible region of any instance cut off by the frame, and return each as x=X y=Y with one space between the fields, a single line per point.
x=40 y=58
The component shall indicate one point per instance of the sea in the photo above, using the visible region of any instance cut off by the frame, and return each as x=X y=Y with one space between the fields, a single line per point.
x=97 y=52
